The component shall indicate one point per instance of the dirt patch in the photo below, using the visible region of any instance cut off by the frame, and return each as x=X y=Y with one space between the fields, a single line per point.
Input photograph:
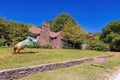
x=115 y=53
x=2 y=56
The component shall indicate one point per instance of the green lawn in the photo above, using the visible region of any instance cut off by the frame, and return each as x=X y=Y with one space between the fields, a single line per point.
x=44 y=56
x=80 y=72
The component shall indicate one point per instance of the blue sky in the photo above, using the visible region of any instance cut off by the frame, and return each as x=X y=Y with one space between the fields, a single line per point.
x=92 y=15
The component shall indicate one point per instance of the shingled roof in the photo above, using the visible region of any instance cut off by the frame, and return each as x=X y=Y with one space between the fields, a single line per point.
x=54 y=34
x=35 y=30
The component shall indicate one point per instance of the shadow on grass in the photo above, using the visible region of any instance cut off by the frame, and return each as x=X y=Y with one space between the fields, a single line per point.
x=94 y=65
x=30 y=52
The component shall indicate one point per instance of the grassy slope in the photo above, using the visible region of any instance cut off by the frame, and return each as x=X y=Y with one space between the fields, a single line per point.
x=43 y=56
x=80 y=72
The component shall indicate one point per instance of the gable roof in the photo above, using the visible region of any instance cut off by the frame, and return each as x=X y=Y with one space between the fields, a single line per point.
x=54 y=34
x=35 y=30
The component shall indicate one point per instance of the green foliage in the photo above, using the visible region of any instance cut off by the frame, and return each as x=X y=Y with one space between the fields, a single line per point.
x=67 y=47
x=71 y=31
x=12 y=32
x=15 y=32
x=58 y=23
x=74 y=33
x=98 y=46
x=46 y=46
x=3 y=32
x=2 y=41
x=72 y=45
x=115 y=45
x=97 y=36
x=37 y=45
x=111 y=34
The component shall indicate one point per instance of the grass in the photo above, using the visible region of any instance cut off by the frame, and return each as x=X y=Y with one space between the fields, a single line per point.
x=44 y=56
x=79 y=72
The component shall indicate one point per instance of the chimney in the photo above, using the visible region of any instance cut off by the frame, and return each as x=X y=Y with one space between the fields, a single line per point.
x=46 y=26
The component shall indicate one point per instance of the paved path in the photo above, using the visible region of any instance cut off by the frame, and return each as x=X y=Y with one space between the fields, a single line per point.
x=117 y=77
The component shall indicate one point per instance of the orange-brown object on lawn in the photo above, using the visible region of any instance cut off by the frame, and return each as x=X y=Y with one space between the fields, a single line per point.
x=21 y=45
x=16 y=49
x=24 y=43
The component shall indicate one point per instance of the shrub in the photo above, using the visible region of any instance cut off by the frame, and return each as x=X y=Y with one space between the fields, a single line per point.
x=2 y=42
x=111 y=35
x=46 y=46
x=98 y=46
x=115 y=45
x=39 y=46
x=34 y=46
x=67 y=47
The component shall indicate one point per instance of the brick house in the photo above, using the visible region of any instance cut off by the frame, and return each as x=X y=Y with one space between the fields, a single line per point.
x=47 y=37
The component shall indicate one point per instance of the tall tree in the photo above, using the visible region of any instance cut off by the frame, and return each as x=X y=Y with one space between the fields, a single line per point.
x=12 y=32
x=72 y=32
x=3 y=31
x=59 y=22
x=111 y=35
x=17 y=31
